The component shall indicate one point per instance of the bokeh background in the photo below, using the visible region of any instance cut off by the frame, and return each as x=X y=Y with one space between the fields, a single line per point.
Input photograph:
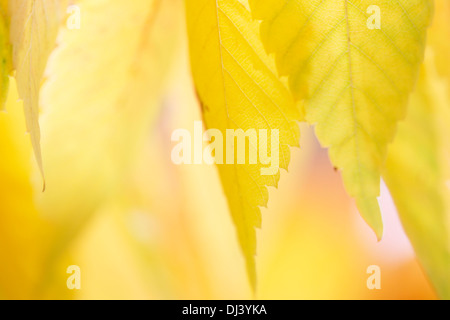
x=140 y=227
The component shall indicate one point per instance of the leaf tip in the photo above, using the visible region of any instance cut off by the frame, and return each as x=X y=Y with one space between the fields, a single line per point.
x=370 y=211
x=251 y=272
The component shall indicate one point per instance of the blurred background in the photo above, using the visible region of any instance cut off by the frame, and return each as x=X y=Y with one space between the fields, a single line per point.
x=140 y=227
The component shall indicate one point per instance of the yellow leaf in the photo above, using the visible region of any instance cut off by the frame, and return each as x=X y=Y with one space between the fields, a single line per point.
x=439 y=36
x=102 y=94
x=239 y=88
x=34 y=28
x=415 y=174
x=5 y=54
x=355 y=78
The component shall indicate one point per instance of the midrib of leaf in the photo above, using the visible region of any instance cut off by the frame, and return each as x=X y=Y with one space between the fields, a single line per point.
x=250 y=262
x=222 y=47
x=35 y=134
x=350 y=79
x=365 y=147
x=227 y=115
x=230 y=121
x=351 y=86
x=237 y=75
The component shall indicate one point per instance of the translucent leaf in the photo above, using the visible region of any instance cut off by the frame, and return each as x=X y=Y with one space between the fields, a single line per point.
x=238 y=88
x=34 y=28
x=355 y=78
x=416 y=173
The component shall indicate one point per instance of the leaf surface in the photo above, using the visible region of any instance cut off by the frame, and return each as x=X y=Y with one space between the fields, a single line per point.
x=239 y=88
x=355 y=81
x=416 y=173
x=438 y=40
x=5 y=54
x=34 y=28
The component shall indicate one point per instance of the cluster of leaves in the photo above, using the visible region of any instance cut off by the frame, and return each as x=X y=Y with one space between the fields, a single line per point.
x=265 y=64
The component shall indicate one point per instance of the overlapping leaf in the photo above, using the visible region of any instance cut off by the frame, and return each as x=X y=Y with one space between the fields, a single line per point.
x=355 y=80
x=238 y=88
